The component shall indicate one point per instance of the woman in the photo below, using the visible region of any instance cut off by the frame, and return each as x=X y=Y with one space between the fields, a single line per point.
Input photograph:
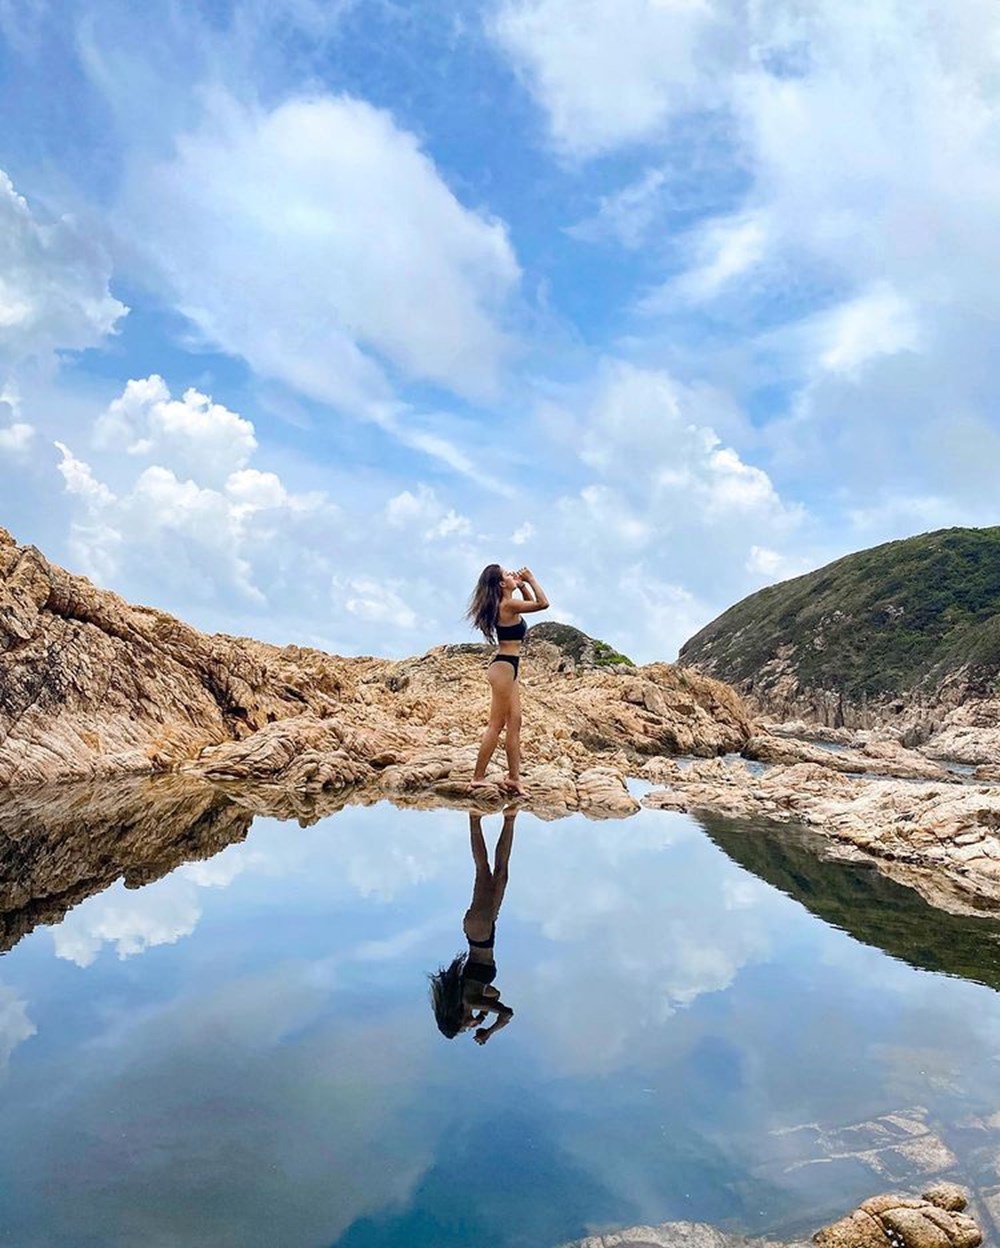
x=497 y=614
x=462 y=994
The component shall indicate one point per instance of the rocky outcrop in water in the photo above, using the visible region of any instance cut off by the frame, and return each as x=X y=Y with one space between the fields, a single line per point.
x=92 y=687
x=933 y=1220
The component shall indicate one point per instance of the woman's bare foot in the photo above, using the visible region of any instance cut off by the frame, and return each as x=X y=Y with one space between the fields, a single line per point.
x=515 y=787
x=481 y=784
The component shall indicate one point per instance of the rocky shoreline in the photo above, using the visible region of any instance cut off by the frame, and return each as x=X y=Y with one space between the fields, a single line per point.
x=94 y=688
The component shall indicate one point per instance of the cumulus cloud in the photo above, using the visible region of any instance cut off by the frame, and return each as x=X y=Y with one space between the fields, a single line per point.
x=53 y=284
x=195 y=433
x=203 y=523
x=319 y=241
x=422 y=512
x=379 y=602
x=851 y=262
x=874 y=323
x=662 y=534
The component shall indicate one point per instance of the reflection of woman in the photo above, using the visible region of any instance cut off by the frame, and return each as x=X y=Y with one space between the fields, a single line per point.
x=499 y=616
x=462 y=994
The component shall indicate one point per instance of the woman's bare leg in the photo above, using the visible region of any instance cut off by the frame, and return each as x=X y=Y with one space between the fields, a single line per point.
x=501 y=859
x=500 y=685
x=512 y=740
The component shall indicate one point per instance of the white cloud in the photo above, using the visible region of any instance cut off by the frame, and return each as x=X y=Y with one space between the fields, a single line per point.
x=53 y=284
x=319 y=242
x=725 y=250
x=661 y=537
x=16 y=435
x=625 y=215
x=15 y=1025
x=377 y=601
x=875 y=323
x=424 y=513
x=80 y=481
x=772 y=565
x=218 y=527
x=129 y=920
x=609 y=71
x=194 y=433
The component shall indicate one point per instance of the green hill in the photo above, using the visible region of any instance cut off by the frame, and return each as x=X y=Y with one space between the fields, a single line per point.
x=896 y=619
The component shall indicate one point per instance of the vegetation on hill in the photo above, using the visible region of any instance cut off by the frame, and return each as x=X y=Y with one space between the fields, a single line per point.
x=877 y=623
x=584 y=650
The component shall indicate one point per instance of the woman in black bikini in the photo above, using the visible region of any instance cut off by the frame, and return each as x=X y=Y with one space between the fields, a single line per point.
x=498 y=615
x=462 y=994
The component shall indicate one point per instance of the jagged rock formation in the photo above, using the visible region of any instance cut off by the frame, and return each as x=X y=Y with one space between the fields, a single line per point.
x=934 y=1220
x=903 y=633
x=93 y=687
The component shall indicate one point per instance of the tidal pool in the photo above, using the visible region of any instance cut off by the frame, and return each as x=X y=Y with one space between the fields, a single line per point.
x=710 y=1024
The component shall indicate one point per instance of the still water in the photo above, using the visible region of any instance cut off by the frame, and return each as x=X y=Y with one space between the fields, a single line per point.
x=706 y=1026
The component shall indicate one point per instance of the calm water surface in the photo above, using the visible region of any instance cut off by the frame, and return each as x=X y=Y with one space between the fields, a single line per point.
x=242 y=1053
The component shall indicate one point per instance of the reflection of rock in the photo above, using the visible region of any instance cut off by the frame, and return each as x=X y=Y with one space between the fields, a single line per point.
x=948 y=831
x=869 y=905
x=934 y=1220
x=91 y=686
x=60 y=845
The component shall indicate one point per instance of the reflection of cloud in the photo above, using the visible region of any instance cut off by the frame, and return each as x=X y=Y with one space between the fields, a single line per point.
x=15 y=1025
x=630 y=947
x=221 y=870
x=256 y=1114
x=159 y=914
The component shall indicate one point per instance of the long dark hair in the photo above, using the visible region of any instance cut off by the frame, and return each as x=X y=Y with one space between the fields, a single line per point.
x=446 y=997
x=484 y=605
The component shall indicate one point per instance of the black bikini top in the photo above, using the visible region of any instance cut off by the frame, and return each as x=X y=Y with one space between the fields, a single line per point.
x=511 y=632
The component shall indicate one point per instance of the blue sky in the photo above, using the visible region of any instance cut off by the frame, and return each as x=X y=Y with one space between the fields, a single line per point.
x=308 y=310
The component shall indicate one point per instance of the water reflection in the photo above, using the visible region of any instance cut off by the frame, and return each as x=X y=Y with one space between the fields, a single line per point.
x=858 y=899
x=464 y=993
x=242 y=1054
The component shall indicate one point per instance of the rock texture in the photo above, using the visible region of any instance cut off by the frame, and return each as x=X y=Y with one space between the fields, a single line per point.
x=93 y=687
x=934 y=1220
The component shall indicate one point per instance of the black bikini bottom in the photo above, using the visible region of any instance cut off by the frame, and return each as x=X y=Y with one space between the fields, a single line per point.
x=512 y=659
x=480 y=972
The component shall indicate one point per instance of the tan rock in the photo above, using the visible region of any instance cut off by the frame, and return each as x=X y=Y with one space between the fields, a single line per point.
x=91 y=687
x=933 y=1220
